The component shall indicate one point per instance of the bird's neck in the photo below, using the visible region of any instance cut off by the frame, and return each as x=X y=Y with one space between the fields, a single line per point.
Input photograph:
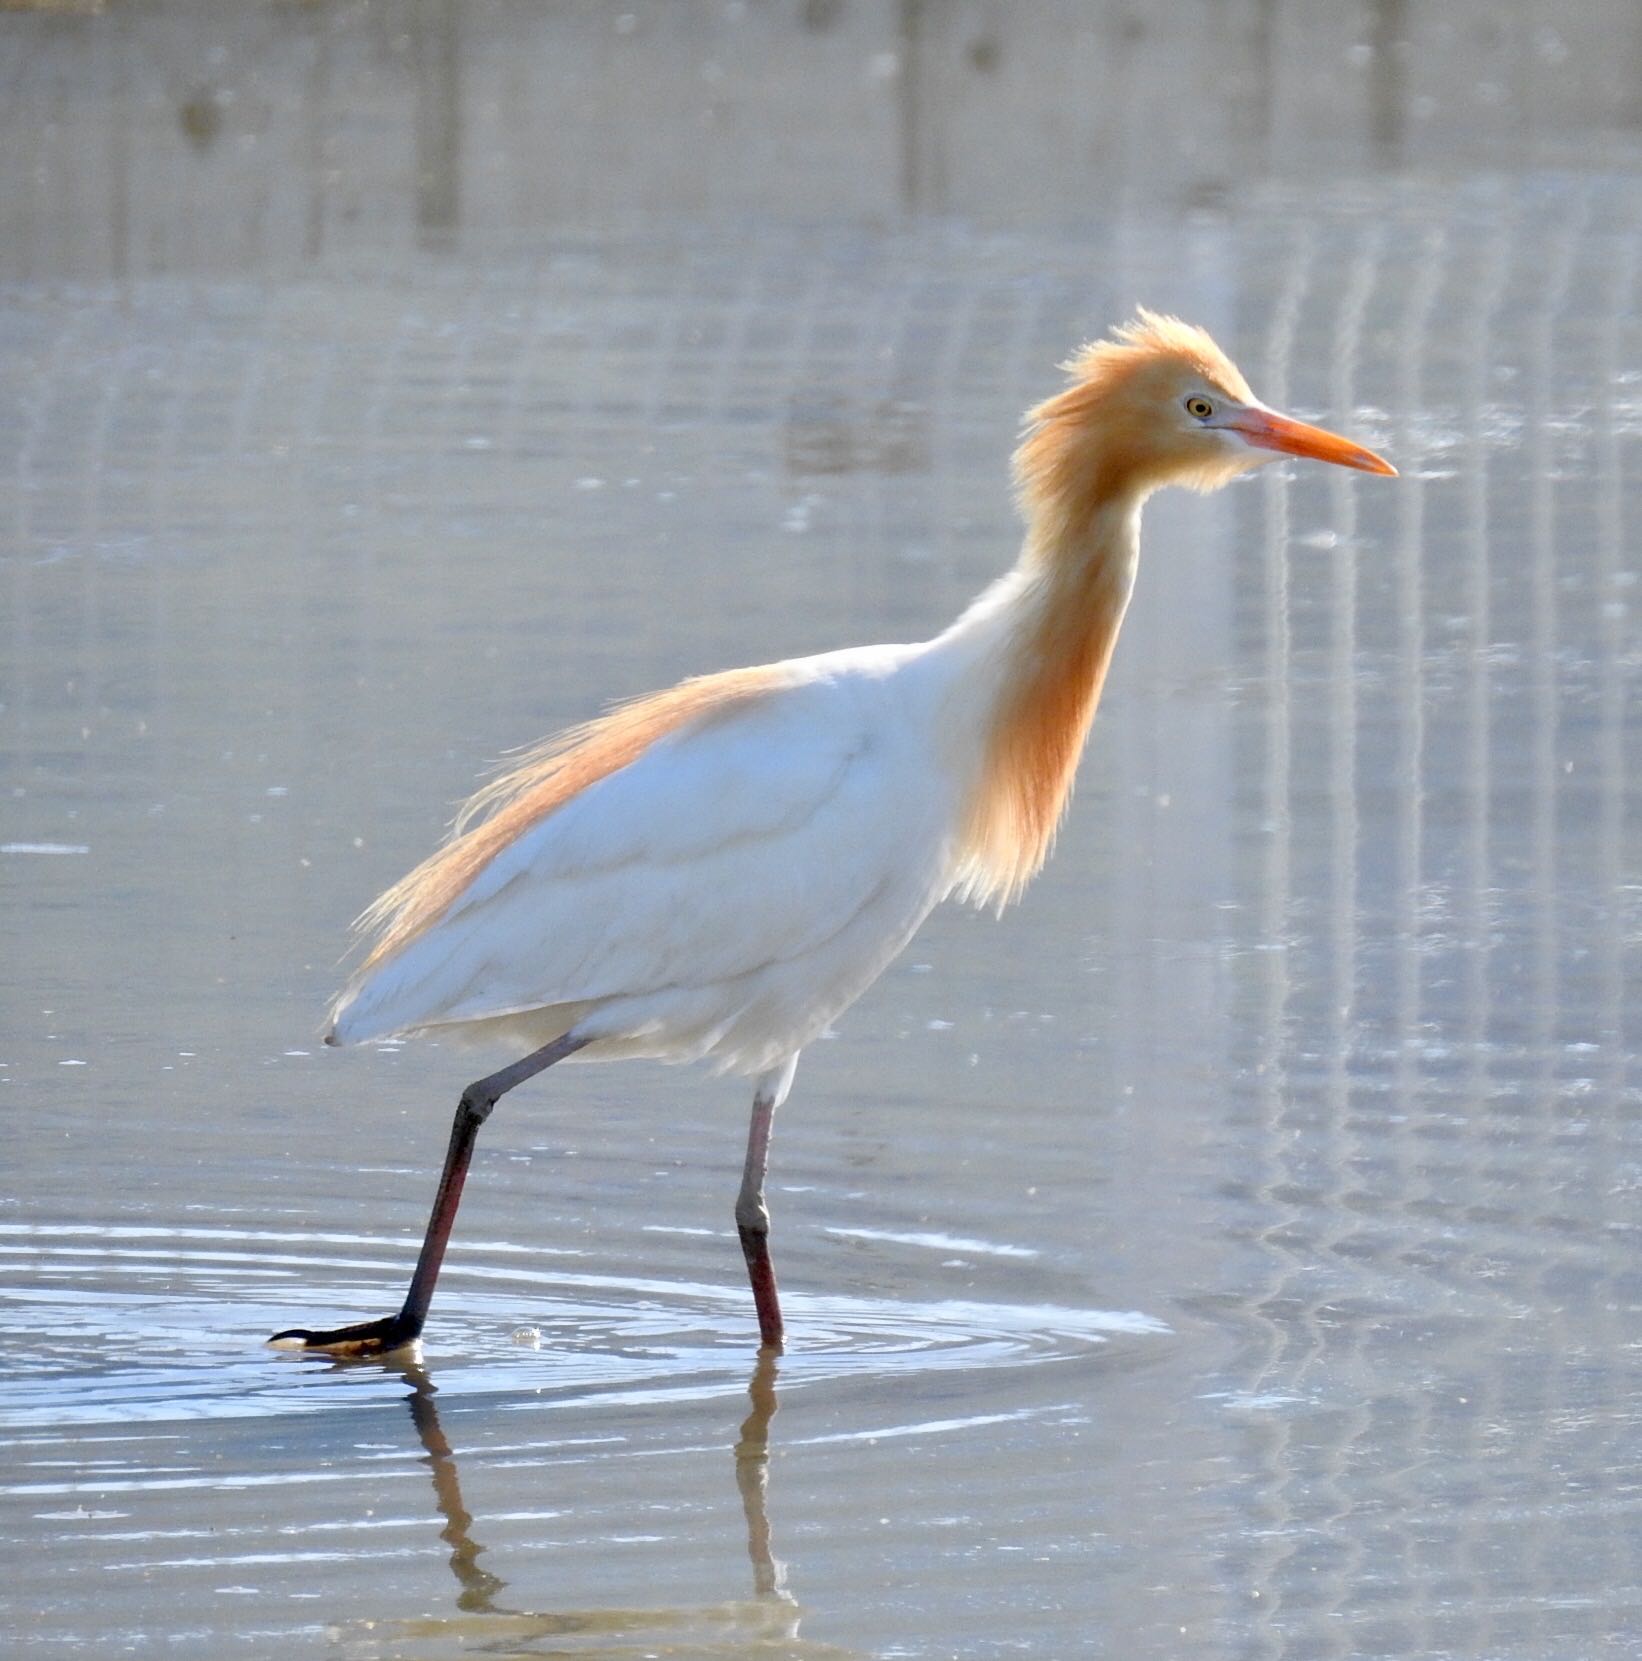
x=1042 y=638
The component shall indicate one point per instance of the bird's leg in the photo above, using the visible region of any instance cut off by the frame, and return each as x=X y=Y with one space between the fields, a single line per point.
x=394 y=1332
x=752 y=1216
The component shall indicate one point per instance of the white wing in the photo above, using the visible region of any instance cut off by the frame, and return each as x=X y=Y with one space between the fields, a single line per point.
x=724 y=848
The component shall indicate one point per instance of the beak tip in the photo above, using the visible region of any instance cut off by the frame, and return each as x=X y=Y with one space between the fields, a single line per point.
x=1267 y=430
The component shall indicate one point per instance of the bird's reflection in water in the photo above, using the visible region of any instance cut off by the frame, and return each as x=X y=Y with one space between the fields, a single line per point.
x=479 y=1586
x=763 y=1624
x=752 y=1478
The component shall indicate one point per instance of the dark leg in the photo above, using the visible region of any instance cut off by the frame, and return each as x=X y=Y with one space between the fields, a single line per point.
x=752 y=1216
x=394 y=1332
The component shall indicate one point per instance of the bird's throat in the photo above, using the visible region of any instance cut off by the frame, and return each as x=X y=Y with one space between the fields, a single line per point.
x=1056 y=643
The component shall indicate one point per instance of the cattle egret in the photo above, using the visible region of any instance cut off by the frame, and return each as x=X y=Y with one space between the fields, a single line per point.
x=719 y=870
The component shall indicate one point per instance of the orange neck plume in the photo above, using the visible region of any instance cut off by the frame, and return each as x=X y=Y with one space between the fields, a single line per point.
x=1071 y=588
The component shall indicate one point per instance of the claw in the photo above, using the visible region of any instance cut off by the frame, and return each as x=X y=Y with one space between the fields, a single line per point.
x=383 y=1337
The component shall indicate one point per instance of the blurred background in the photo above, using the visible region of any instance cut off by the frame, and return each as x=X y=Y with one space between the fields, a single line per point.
x=1229 y=1253
x=173 y=139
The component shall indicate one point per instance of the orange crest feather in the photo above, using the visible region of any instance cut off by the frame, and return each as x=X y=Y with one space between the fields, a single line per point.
x=542 y=780
x=1085 y=446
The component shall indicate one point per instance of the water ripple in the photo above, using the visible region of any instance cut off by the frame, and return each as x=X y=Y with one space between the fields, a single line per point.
x=149 y=1325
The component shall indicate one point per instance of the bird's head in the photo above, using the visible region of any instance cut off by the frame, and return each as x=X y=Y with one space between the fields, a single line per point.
x=1157 y=403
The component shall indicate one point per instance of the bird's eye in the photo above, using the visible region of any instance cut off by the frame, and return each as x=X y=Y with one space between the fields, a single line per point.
x=1199 y=407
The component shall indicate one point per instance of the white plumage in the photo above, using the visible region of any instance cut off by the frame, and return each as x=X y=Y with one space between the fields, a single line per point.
x=726 y=895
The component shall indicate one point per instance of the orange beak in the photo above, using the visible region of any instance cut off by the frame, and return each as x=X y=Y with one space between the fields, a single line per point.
x=1267 y=430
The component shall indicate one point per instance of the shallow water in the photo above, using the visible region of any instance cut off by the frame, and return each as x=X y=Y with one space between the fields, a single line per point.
x=1230 y=1252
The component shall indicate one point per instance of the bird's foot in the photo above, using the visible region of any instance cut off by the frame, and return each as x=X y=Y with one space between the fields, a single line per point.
x=367 y=1338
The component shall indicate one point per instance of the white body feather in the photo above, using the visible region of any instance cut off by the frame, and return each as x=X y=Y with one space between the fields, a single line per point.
x=733 y=889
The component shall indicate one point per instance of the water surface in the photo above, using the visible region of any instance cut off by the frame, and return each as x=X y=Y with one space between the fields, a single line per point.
x=1231 y=1252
